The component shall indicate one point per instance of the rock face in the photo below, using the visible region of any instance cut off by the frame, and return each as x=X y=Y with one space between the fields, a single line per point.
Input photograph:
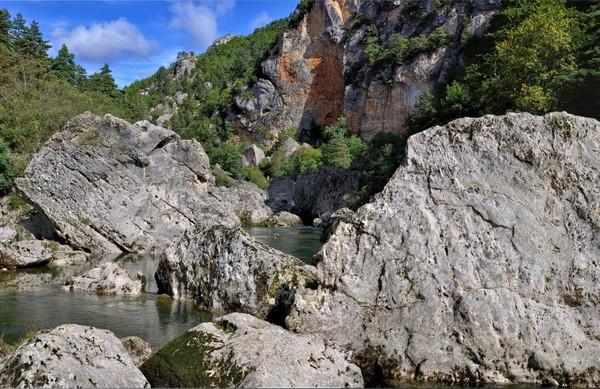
x=252 y=156
x=319 y=193
x=314 y=194
x=138 y=349
x=477 y=262
x=109 y=186
x=72 y=356
x=246 y=200
x=227 y=270
x=317 y=72
x=242 y=351
x=108 y=278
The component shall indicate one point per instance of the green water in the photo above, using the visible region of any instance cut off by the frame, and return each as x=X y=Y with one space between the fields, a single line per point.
x=301 y=242
x=33 y=300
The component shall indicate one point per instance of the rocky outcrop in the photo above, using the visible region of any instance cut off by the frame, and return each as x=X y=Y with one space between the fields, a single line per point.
x=281 y=194
x=224 y=269
x=72 y=356
x=478 y=261
x=246 y=200
x=314 y=194
x=109 y=186
x=224 y=39
x=108 y=278
x=319 y=193
x=318 y=72
x=242 y=351
x=139 y=350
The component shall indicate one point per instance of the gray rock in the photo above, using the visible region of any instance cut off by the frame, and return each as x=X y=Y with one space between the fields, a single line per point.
x=72 y=356
x=246 y=200
x=319 y=193
x=225 y=269
x=242 y=351
x=108 y=278
x=286 y=219
x=109 y=186
x=7 y=235
x=26 y=253
x=138 y=349
x=223 y=40
x=281 y=194
x=253 y=155
x=478 y=261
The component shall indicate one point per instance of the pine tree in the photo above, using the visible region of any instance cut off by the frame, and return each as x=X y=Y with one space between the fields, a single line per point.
x=34 y=44
x=102 y=82
x=65 y=67
x=5 y=29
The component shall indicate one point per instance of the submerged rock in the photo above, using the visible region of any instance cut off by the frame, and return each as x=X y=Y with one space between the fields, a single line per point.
x=477 y=262
x=242 y=351
x=108 y=278
x=110 y=186
x=225 y=269
x=72 y=356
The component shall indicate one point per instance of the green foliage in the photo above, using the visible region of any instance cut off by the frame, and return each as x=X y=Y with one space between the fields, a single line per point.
x=7 y=174
x=532 y=59
x=341 y=149
x=336 y=153
x=16 y=202
x=308 y=158
x=222 y=179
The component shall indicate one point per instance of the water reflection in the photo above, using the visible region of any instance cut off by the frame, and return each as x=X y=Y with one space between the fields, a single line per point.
x=32 y=300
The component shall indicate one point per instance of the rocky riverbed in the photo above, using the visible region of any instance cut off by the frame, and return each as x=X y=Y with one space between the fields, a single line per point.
x=476 y=264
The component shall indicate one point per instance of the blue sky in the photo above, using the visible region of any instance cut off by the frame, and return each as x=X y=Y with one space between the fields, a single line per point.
x=137 y=37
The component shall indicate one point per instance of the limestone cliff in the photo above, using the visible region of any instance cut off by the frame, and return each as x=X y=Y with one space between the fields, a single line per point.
x=318 y=71
x=478 y=261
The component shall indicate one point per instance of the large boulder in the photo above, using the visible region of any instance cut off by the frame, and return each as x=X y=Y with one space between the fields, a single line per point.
x=108 y=278
x=139 y=350
x=281 y=194
x=246 y=200
x=477 y=263
x=110 y=186
x=72 y=356
x=242 y=351
x=319 y=193
x=224 y=269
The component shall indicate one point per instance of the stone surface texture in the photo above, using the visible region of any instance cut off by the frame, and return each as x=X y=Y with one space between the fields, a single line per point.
x=224 y=269
x=477 y=263
x=138 y=349
x=242 y=351
x=246 y=200
x=72 y=356
x=110 y=186
x=108 y=278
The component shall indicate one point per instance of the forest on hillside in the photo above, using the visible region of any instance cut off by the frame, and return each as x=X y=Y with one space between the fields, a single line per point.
x=538 y=56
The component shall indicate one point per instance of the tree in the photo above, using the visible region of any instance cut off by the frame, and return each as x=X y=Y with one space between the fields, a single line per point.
x=5 y=29
x=65 y=67
x=537 y=46
x=102 y=82
x=33 y=43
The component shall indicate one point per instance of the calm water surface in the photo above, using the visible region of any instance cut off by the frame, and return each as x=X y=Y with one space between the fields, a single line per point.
x=301 y=242
x=33 y=300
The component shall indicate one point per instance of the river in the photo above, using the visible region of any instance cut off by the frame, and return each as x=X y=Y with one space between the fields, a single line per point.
x=32 y=300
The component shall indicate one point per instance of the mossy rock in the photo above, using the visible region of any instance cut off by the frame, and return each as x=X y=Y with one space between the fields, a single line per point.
x=186 y=362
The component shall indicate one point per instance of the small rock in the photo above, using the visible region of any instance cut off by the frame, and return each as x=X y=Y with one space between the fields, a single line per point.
x=286 y=219
x=108 y=278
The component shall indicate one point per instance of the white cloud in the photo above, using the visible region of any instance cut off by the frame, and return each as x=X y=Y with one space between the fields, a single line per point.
x=105 y=41
x=260 y=21
x=200 y=20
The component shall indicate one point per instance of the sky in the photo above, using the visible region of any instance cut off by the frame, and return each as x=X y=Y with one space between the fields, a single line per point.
x=135 y=38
